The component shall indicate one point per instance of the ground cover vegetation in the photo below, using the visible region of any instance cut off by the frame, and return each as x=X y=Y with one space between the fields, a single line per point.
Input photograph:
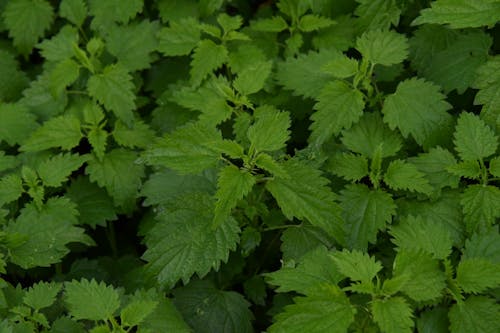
x=247 y=166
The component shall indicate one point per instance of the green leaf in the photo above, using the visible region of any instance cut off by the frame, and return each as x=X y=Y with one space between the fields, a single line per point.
x=266 y=162
x=61 y=46
x=383 y=47
x=392 y=315
x=252 y=78
x=56 y=170
x=425 y=279
x=27 y=21
x=417 y=233
x=140 y=136
x=62 y=131
x=417 y=108
x=93 y=203
x=434 y=320
x=315 y=269
x=299 y=240
x=494 y=166
x=348 y=166
x=303 y=74
x=341 y=66
x=10 y=90
x=207 y=57
x=180 y=38
x=311 y=22
x=476 y=275
x=365 y=212
x=229 y=23
x=474 y=140
x=406 y=176
x=272 y=24
x=377 y=14
x=356 y=265
x=478 y=314
x=74 y=11
x=7 y=161
x=16 y=123
x=481 y=205
x=458 y=14
x=98 y=139
x=306 y=195
x=42 y=294
x=484 y=245
x=233 y=185
x=64 y=74
x=184 y=242
x=270 y=129
x=171 y=11
x=136 y=312
x=325 y=311
x=488 y=81
x=370 y=136
x=114 y=89
x=105 y=12
x=133 y=44
x=47 y=232
x=207 y=309
x=91 y=300
x=469 y=169
x=338 y=106
x=119 y=174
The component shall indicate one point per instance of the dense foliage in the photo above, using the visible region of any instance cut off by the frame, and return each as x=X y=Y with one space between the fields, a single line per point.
x=243 y=166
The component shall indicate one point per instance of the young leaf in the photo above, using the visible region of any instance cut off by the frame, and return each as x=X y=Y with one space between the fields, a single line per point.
x=136 y=312
x=27 y=21
x=473 y=139
x=484 y=245
x=405 y=176
x=306 y=195
x=61 y=46
x=252 y=78
x=91 y=300
x=16 y=123
x=273 y=24
x=476 y=275
x=488 y=81
x=64 y=74
x=7 y=161
x=392 y=315
x=468 y=169
x=108 y=11
x=270 y=130
x=377 y=14
x=74 y=11
x=63 y=131
x=326 y=311
x=207 y=57
x=348 y=166
x=481 y=205
x=476 y=315
x=298 y=241
x=180 y=38
x=56 y=170
x=114 y=89
x=418 y=109
x=140 y=136
x=311 y=22
x=266 y=162
x=341 y=66
x=233 y=185
x=356 y=265
x=98 y=140
x=184 y=242
x=11 y=188
x=42 y=294
x=383 y=47
x=460 y=14
x=338 y=107
x=229 y=23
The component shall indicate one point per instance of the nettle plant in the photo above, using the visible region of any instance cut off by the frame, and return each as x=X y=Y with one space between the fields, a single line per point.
x=249 y=166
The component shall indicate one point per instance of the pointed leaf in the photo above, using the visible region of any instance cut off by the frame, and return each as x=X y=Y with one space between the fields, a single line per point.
x=180 y=38
x=478 y=314
x=473 y=139
x=393 y=315
x=383 y=47
x=41 y=294
x=476 y=275
x=481 y=206
x=348 y=166
x=16 y=123
x=252 y=78
x=74 y=11
x=406 y=176
x=270 y=130
x=311 y=22
x=63 y=131
x=207 y=57
x=356 y=265
x=56 y=170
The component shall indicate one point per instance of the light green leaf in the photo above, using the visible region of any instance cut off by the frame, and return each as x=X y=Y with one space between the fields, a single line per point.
x=7 y=161
x=311 y=22
x=476 y=275
x=417 y=233
x=229 y=23
x=42 y=294
x=356 y=265
x=474 y=140
x=11 y=188
x=61 y=46
x=460 y=14
x=406 y=176
x=325 y=311
x=315 y=269
x=252 y=78
x=266 y=162
x=93 y=203
x=27 y=21
x=370 y=136
x=136 y=312
x=184 y=241
x=270 y=131
x=377 y=14
x=140 y=136
x=393 y=315
x=306 y=195
x=207 y=309
x=417 y=108
x=338 y=106
x=233 y=185
x=47 y=232
x=341 y=66
x=469 y=169
x=365 y=212
x=74 y=11
x=91 y=300
x=272 y=24
x=11 y=89
x=62 y=131
x=98 y=139
x=487 y=80
x=383 y=47
x=207 y=57
x=114 y=89
x=484 y=245
x=348 y=166
x=106 y=12
x=478 y=314
x=481 y=205
x=494 y=166
x=172 y=11
x=426 y=281
x=16 y=123
x=180 y=38
x=64 y=74
x=56 y=170
x=119 y=174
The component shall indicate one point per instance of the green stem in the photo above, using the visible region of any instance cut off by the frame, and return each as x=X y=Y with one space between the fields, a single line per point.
x=282 y=227
x=484 y=172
